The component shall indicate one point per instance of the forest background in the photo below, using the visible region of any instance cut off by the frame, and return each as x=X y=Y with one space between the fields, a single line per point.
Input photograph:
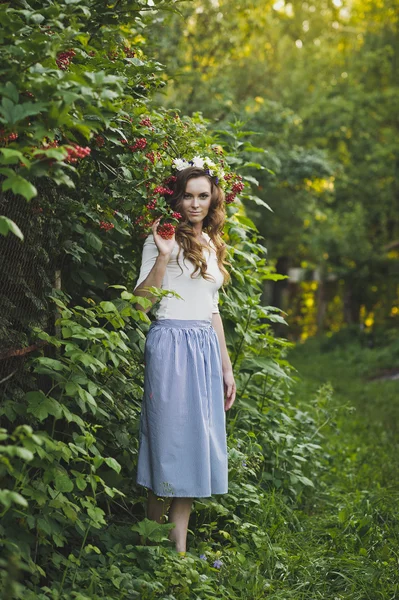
x=318 y=84
x=301 y=100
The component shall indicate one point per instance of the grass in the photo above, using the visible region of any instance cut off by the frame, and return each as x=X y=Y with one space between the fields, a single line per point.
x=349 y=543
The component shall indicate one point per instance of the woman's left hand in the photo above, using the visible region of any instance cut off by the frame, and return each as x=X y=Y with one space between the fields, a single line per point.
x=229 y=389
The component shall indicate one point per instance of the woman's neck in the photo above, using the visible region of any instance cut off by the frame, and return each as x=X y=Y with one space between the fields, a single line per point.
x=197 y=228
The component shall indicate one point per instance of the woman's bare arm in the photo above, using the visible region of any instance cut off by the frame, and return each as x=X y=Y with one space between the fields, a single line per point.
x=157 y=273
x=154 y=278
x=227 y=369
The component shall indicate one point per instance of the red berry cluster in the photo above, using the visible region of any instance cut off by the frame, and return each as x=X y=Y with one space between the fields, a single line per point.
x=237 y=187
x=170 y=179
x=146 y=122
x=64 y=58
x=151 y=157
x=166 y=231
x=145 y=223
x=128 y=52
x=50 y=144
x=151 y=205
x=217 y=150
x=77 y=152
x=46 y=145
x=45 y=28
x=99 y=140
x=177 y=215
x=139 y=144
x=106 y=226
x=113 y=55
x=5 y=138
x=164 y=191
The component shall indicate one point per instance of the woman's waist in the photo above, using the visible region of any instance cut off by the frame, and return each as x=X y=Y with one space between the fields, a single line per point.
x=182 y=323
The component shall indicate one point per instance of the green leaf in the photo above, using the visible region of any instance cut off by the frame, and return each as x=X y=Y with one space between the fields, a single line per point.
x=10 y=91
x=13 y=113
x=135 y=61
x=264 y=364
x=17 y=451
x=37 y=18
x=126 y=173
x=52 y=363
x=305 y=480
x=260 y=202
x=41 y=407
x=111 y=462
x=151 y=530
x=93 y=240
x=250 y=179
x=254 y=165
x=245 y=221
x=86 y=396
x=108 y=306
x=8 y=497
x=248 y=147
x=62 y=483
x=56 y=153
x=81 y=484
x=21 y=186
x=118 y=287
x=11 y=156
x=97 y=516
x=7 y=225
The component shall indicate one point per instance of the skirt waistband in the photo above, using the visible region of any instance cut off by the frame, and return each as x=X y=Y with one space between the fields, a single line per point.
x=182 y=323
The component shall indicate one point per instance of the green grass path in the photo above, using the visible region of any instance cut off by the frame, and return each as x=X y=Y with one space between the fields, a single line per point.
x=349 y=545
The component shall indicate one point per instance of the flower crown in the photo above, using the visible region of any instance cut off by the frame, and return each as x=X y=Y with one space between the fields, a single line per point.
x=229 y=182
x=213 y=169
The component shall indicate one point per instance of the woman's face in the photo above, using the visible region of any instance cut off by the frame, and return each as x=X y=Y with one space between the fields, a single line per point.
x=197 y=199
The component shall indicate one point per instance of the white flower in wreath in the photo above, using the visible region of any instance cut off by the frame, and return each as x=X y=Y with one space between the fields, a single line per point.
x=210 y=165
x=198 y=161
x=209 y=162
x=180 y=164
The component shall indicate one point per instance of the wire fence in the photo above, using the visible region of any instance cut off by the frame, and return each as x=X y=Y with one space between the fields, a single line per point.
x=27 y=275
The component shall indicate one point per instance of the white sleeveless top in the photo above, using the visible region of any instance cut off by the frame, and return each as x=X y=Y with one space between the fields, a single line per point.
x=200 y=296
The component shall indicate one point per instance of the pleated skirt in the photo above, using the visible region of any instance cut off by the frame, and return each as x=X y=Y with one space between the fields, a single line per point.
x=182 y=436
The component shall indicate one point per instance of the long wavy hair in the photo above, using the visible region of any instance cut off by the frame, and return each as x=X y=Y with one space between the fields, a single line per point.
x=213 y=224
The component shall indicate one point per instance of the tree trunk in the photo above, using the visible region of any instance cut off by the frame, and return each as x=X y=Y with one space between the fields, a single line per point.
x=352 y=304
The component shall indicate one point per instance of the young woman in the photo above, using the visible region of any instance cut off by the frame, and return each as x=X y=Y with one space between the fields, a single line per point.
x=189 y=382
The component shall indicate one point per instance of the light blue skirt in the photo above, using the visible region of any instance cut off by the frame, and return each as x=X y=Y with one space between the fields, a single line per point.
x=182 y=443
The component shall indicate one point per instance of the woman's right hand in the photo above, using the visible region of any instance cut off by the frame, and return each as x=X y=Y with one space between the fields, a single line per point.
x=165 y=247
